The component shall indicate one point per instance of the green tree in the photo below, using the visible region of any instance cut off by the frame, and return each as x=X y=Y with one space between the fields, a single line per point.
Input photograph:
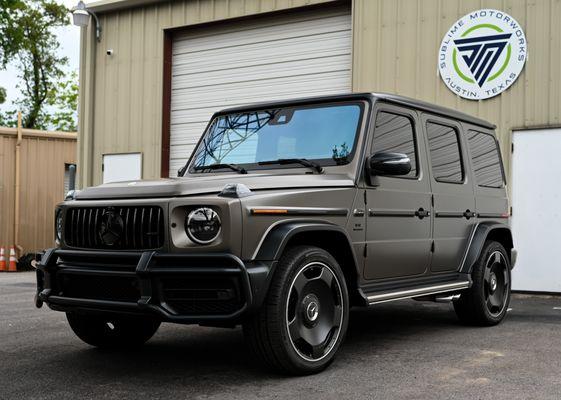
x=63 y=104
x=27 y=40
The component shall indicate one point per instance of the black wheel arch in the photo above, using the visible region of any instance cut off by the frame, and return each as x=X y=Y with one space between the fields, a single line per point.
x=332 y=238
x=484 y=231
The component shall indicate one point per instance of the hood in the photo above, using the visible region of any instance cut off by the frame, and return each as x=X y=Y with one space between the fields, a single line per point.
x=209 y=184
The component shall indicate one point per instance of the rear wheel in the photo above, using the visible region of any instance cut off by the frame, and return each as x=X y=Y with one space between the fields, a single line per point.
x=112 y=331
x=486 y=302
x=304 y=319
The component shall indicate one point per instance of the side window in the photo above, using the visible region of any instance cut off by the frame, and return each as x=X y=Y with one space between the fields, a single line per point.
x=445 y=156
x=395 y=133
x=486 y=159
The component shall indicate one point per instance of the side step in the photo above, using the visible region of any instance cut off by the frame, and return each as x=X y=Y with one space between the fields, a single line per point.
x=416 y=292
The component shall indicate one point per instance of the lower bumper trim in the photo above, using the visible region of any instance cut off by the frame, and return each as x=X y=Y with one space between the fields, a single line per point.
x=174 y=287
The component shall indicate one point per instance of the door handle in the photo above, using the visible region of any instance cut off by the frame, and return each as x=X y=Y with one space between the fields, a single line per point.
x=469 y=214
x=358 y=212
x=422 y=213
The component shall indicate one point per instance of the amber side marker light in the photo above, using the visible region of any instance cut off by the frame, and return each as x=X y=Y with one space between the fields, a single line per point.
x=273 y=211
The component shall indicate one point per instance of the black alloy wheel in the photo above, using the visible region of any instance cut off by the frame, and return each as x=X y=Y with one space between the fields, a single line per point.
x=303 y=321
x=486 y=302
x=314 y=311
x=497 y=283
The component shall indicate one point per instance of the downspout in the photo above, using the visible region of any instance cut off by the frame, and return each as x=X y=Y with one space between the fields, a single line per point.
x=19 y=248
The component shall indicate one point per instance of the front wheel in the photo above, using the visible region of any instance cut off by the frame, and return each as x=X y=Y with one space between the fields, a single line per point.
x=112 y=331
x=305 y=316
x=486 y=302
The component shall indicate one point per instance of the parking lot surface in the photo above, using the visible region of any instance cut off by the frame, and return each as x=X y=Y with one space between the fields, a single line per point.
x=403 y=350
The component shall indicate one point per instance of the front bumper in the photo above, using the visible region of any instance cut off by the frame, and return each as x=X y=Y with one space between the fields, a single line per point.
x=183 y=288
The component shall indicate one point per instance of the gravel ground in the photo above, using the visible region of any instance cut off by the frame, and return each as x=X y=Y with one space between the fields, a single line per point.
x=402 y=350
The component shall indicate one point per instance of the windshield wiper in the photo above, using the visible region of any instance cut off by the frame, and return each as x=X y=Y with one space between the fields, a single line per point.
x=233 y=167
x=301 y=161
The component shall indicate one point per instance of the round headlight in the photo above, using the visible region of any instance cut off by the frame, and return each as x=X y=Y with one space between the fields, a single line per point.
x=58 y=226
x=203 y=225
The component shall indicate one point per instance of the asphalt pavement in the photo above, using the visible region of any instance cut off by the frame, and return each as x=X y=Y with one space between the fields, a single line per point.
x=402 y=350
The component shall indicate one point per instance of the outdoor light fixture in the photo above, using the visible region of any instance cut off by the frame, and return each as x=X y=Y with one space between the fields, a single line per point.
x=81 y=18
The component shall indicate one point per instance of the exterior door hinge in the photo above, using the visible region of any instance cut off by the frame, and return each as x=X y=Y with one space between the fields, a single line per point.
x=365 y=255
x=365 y=198
x=432 y=247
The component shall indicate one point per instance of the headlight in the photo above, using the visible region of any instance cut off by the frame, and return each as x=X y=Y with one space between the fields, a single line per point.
x=203 y=225
x=58 y=226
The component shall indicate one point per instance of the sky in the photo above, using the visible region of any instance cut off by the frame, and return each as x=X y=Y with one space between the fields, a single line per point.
x=69 y=39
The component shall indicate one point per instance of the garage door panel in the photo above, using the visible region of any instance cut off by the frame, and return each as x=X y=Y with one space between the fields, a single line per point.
x=285 y=69
x=263 y=53
x=264 y=32
x=294 y=56
x=186 y=133
x=255 y=91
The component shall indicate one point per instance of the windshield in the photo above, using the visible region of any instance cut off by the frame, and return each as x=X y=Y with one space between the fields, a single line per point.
x=325 y=134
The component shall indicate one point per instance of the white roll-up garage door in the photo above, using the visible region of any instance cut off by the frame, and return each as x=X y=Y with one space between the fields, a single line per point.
x=300 y=55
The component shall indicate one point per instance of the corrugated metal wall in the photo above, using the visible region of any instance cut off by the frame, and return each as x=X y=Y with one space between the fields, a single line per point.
x=126 y=88
x=43 y=158
x=395 y=44
x=396 y=51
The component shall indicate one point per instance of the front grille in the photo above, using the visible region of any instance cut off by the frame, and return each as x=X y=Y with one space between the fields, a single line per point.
x=135 y=228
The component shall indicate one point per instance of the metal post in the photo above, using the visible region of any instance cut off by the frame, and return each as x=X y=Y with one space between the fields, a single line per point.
x=18 y=247
x=72 y=177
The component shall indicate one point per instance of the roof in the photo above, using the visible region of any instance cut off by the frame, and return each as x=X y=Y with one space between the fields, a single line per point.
x=391 y=98
x=434 y=108
x=113 y=5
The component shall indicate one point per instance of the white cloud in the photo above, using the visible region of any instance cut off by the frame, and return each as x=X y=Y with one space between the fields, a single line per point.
x=69 y=39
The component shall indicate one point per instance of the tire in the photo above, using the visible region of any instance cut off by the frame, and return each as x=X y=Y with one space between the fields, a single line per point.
x=112 y=331
x=486 y=302
x=305 y=315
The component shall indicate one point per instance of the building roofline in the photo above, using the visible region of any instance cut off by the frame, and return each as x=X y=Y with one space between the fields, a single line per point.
x=102 y=6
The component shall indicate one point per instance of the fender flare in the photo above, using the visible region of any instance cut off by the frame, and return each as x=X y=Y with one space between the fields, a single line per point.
x=480 y=234
x=275 y=241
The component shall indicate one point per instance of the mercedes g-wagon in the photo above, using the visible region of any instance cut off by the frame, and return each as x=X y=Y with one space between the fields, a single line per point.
x=286 y=215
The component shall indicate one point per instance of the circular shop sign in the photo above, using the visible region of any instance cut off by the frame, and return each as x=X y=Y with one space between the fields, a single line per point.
x=482 y=54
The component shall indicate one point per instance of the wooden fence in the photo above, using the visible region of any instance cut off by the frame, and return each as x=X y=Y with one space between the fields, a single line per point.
x=34 y=166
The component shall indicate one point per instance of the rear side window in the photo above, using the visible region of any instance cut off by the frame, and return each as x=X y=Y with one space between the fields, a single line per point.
x=445 y=156
x=394 y=133
x=486 y=159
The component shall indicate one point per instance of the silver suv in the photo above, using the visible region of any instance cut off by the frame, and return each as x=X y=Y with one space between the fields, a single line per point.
x=286 y=216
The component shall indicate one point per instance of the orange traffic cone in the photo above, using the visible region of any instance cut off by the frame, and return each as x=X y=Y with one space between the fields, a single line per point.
x=13 y=266
x=2 y=260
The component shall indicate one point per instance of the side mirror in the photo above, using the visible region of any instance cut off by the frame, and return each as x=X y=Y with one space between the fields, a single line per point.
x=385 y=163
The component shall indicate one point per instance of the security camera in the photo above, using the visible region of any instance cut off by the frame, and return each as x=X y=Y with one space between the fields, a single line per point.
x=109 y=52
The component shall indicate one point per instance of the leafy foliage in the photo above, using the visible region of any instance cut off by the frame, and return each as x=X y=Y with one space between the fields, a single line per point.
x=49 y=97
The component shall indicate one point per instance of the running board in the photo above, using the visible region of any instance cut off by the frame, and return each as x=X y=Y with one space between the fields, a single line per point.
x=420 y=291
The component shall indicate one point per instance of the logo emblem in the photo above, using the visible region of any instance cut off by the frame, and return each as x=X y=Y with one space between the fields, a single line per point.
x=110 y=227
x=482 y=54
